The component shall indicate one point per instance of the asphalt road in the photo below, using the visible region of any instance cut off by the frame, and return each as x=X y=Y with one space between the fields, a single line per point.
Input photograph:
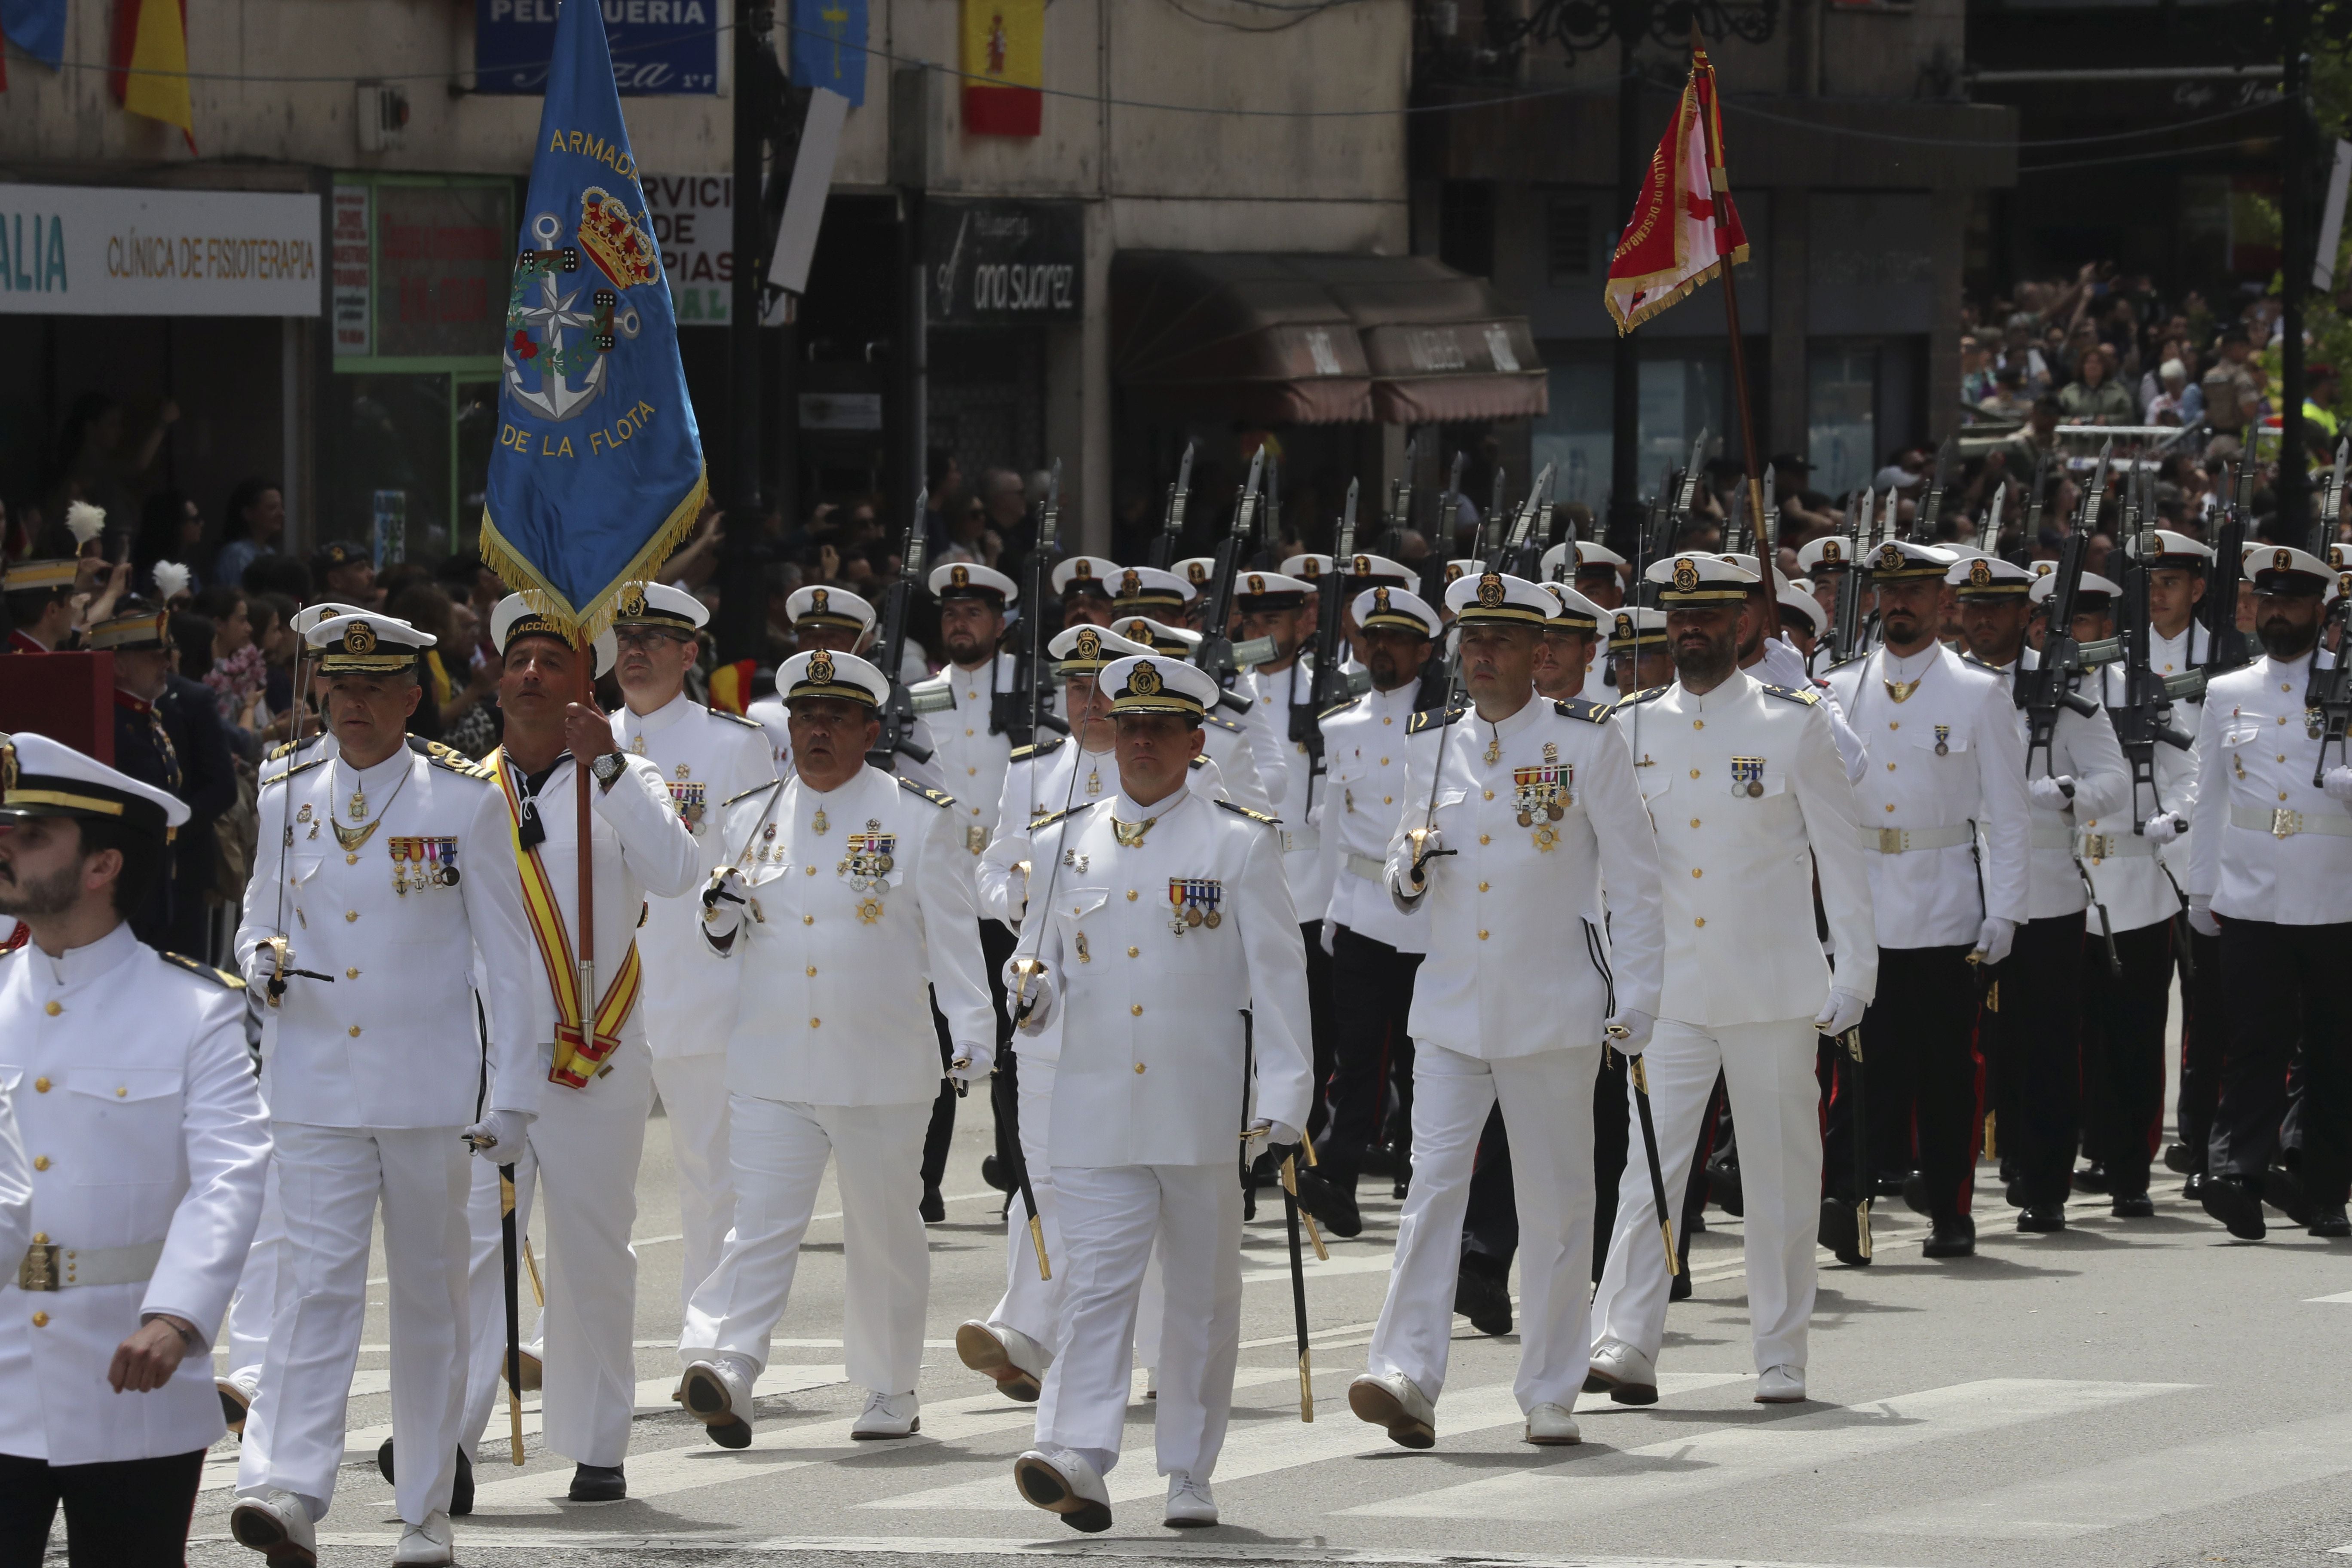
x=2123 y=1393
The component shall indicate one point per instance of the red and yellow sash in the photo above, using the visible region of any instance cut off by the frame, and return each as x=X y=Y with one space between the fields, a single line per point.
x=574 y=1045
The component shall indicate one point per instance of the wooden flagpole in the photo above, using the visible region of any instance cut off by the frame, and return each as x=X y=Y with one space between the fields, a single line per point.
x=1720 y=189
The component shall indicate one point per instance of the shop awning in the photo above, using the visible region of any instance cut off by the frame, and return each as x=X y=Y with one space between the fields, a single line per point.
x=1317 y=339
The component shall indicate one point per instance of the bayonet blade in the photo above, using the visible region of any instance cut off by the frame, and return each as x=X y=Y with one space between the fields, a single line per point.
x=1246 y=504
x=1347 y=531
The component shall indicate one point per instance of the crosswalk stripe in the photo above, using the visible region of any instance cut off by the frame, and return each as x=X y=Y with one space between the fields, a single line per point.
x=775 y=1450
x=2130 y=1491
x=1263 y=1449
x=1607 y=1482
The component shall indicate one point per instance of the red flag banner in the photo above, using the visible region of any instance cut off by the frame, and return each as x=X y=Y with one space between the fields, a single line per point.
x=1672 y=242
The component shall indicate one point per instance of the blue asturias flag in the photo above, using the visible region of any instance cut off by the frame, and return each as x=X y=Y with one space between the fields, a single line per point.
x=598 y=470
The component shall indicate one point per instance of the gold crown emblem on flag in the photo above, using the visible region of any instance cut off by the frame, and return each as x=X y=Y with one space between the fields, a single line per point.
x=614 y=241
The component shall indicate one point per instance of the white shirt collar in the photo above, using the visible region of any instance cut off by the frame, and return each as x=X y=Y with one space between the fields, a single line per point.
x=80 y=966
x=634 y=724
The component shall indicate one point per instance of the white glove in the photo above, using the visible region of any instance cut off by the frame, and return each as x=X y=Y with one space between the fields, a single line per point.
x=2051 y=795
x=2337 y=782
x=1040 y=993
x=972 y=1062
x=2167 y=825
x=1842 y=1011
x=499 y=1136
x=1275 y=1132
x=1993 y=938
x=723 y=902
x=2201 y=917
x=1637 y=1026
x=1330 y=936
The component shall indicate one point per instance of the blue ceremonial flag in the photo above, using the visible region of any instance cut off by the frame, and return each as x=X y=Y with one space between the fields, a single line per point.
x=598 y=470
x=828 y=46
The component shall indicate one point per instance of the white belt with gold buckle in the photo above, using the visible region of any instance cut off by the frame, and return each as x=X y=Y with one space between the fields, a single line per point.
x=48 y=1267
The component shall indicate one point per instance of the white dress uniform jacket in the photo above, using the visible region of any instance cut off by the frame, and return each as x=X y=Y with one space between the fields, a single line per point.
x=136 y=1099
x=2083 y=747
x=1362 y=801
x=392 y=1041
x=836 y=943
x=1737 y=869
x=2268 y=845
x=1499 y=907
x=769 y=713
x=2129 y=874
x=1945 y=761
x=1154 y=1068
x=969 y=756
x=704 y=757
x=1300 y=793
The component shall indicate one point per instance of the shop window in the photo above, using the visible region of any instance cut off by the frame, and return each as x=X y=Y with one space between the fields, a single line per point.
x=1683 y=391
x=1842 y=400
x=1567 y=240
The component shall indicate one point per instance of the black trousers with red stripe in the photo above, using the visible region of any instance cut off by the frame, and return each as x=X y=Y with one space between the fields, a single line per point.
x=2038 y=1054
x=2286 y=986
x=1920 y=1061
x=130 y=1513
x=2123 y=1053
x=2204 y=1045
x=1371 y=997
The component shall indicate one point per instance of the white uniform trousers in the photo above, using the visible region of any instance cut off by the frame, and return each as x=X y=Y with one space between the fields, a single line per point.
x=779 y=1151
x=1776 y=1105
x=1546 y=1101
x=330 y=1179
x=1031 y=1305
x=1111 y=1216
x=694 y=1096
x=252 y=1307
x=583 y=1148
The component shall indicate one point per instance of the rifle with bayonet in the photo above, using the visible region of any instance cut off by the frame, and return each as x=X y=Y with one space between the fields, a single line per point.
x=1020 y=713
x=1845 y=620
x=898 y=714
x=1931 y=507
x=1657 y=530
x=1330 y=685
x=1216 y=655
x=2144 y=717
x=1532 y=529
x=1400 y=515
x=2044 y=689
x=1272 y=509
x=1449 y=508
x=1988 y=533
x=2331 y=505
x=2225 y=645
x=1490 y=533
x=1171 y=524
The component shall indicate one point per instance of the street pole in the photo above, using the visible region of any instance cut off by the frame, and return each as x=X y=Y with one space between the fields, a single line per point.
x=742 y=610
x=2295 y=214
x=1625 y=384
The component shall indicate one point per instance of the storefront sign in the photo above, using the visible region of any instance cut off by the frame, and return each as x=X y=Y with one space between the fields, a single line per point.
x=91 y=251
x=444 y=263
x=659 y=46
x=353 y=260
x=694 y=222
x=1000 y=263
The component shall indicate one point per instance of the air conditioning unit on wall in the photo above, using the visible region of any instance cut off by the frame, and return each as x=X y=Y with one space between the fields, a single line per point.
x=381 y=113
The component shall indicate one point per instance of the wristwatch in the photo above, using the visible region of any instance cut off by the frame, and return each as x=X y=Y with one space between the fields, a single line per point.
x=607 y=768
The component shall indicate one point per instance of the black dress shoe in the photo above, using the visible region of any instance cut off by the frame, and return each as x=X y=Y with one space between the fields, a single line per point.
x=1954 y=1237
x=1841 y=1232
x=2012 y=1193
x=1914 y=1196
x=934 y=1208
x=735 y=1433
x=1894 y=1184
x=2092 y=1178
x=2041 y=1218
x=1331 y=1200
x=2283 y=1190
x=993 y=1171
x=2194 y=1189
x=598 y=1483
x=2180 y=1158
x=2330 y=1224
x=2132 y=1205
x=1400 y=1188
x=1484 y=1298
x=1723 y=1186
x=1678 y=1288
x=461 y=1490
x=2237 y=1204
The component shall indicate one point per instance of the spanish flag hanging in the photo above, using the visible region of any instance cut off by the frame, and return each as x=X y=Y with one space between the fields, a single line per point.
x=1004 y=65
x=149 y=67
x=1672 y=243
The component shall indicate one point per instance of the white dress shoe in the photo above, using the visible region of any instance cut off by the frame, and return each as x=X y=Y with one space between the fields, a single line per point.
x=1060 y=1481
x=1389 y=1399
x=717 y=1392
x=236 y=1397
x=426 y=1546
x=1015 y=1361
x=1550 y=1425
x=1623 y=1372
x=1782 y=1385
x=887 y=1416
x=278 y=1525
x=1190 y=1504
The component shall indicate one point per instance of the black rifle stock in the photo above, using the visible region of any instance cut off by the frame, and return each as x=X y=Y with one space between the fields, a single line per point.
x=898 y=710
x=1020 y=713
x=1215 y=656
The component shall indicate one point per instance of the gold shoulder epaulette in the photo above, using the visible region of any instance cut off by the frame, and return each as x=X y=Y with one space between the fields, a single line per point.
x=1647 y=694
x=1342 y=708
x=1973 y=662
x=1259 y=817
x=290 y=773
x=749 y=723
x=1219 y=721
x=220 y=977
x=1581 y=708
x=939 y=797
x=1044 y=748
x=1433 y=718
x=755 y=789
x=1789 y=693
x=451 y=758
